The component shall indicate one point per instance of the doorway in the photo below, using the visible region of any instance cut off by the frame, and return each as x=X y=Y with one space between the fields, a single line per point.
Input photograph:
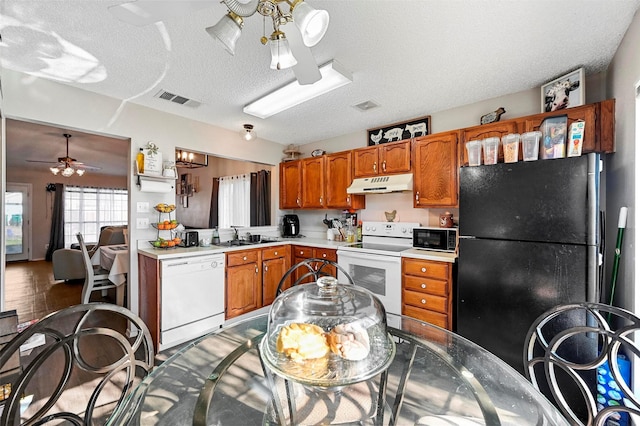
x=17 y=221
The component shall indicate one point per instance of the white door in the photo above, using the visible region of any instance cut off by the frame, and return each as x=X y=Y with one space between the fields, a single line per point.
x=17 y=221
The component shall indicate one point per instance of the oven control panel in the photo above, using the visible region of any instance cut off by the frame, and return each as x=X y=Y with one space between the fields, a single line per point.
x=389 y=229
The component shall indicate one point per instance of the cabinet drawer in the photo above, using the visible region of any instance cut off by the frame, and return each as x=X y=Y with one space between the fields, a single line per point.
x=301 y=251
x=425 y=268
x=328 y=254
x=436 y=318
x=274 y=252
x=242 y=257
x=425 y=301
x=425 y=285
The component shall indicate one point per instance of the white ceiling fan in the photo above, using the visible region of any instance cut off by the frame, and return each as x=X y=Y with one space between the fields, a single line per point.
x=290 y=48
x=66 y=165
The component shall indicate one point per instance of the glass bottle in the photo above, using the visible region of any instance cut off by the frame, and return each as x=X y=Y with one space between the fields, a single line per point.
x=359 y=232
x=216 y=236
x=140 y=161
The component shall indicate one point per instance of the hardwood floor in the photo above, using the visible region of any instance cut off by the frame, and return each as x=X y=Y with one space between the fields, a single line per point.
x=31 y=290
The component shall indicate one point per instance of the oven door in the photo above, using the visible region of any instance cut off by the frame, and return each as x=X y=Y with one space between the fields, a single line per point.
x=379 y=274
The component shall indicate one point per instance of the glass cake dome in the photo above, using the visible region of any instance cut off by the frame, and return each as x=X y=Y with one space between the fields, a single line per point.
x=327 y=334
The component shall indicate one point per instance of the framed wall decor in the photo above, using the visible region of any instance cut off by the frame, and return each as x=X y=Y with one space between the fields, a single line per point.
x=399 y=131
x=563 y=92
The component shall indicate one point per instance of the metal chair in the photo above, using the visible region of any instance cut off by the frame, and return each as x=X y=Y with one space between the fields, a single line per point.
x=583 y=346
x=81 y=365
x=96 y=278
x=313 y=268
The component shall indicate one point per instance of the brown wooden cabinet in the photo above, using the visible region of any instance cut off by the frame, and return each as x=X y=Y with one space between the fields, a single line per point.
x=300 y=253
x=275 y=263
x=313 y=183
x=427 y=291
x=388 y=158
x=435 y=175
x=291 y=184
x=243 y=290
x=338 y=177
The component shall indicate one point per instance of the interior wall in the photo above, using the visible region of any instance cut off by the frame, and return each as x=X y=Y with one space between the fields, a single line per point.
x=42 y=201
x=196 y=215
x=33 y=99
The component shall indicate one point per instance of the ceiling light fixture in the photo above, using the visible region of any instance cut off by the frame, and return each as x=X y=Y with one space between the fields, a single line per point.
x=191 y=160
x=333 y=74
x=247 y=133
x=66 y=167
x=311 y=23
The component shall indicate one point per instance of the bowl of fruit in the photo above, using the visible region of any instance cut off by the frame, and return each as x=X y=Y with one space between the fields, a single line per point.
x=166 y=225
x=164 y=208
x=163 y=243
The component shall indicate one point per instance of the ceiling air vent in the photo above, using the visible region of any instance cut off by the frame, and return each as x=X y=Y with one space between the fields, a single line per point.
x=366 y=106
x=168 y=96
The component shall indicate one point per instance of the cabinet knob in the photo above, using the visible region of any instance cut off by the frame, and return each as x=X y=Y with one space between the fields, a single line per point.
x=257 y=270
x=384 y=166
x=417 y=196
x=375 y=166
x=275 y=253
x=266 y=268
x=244 y=257
x=423 y=285
x=348 y=199
x=324 y=254
x=423 y=301
x=320 y=200
x=424 y=269
x=301 y=253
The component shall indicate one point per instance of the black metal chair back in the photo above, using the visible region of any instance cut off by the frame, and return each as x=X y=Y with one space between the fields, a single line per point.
x=82 y=366
x=576 y=354
x=311 y=268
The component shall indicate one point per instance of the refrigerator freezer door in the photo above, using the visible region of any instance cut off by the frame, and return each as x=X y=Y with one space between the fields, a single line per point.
x=503 y=286
x=545 y=200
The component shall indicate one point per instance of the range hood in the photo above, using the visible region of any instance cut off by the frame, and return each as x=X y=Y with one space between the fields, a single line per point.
x=381 y=184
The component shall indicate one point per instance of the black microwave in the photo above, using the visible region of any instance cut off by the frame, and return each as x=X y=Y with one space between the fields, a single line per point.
x=437 y=239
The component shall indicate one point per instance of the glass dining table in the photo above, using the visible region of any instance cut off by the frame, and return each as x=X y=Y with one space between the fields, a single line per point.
x=435 y=378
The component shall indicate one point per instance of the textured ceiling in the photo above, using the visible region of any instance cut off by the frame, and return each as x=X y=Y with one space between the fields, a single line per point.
x=414 y=58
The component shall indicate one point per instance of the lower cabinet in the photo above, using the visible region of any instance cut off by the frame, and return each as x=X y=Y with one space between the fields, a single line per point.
x=427 y=291
x=301 y=253
x=243 y=283
x=275 y=263
x=253 y=276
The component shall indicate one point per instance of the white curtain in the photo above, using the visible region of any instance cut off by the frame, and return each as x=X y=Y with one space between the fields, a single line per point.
x=234 y=201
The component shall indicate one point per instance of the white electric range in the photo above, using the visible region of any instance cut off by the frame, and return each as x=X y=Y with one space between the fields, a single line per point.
x=375 y=263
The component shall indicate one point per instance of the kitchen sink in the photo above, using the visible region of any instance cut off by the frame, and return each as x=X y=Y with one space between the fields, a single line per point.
x=234 y=243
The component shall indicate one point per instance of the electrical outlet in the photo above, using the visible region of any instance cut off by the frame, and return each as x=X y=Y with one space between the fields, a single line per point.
x=142 y=223
x=142 y=207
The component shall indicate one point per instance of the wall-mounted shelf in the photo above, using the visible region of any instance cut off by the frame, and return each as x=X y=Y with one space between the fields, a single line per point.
x=153 y=182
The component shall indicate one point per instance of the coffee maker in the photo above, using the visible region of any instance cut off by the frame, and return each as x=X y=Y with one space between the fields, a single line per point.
x=290 y=225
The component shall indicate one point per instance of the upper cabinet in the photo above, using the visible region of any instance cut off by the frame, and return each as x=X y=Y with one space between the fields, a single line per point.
x=388 y=158
x=291 y=184
x=599 y=119
x=338 y=177
x=435 y=173
x=313 y=183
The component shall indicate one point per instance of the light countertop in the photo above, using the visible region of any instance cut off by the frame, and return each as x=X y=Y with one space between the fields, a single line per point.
x=177 y=252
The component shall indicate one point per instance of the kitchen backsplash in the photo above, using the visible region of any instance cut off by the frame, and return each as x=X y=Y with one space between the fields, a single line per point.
x=312 y=226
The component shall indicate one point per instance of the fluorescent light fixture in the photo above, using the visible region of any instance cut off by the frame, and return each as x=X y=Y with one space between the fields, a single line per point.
x=333 y=76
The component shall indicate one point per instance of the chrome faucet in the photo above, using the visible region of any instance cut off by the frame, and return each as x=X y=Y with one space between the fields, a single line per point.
x=235 y=233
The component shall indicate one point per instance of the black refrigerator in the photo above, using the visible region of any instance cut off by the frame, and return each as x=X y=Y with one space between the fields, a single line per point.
x=529 y=241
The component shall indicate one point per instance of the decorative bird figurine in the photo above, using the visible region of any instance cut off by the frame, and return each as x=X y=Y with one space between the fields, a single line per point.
x=390 y=215
x=492 y=117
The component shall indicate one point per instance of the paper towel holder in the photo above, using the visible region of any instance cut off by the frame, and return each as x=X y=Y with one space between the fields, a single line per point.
x=166 y=184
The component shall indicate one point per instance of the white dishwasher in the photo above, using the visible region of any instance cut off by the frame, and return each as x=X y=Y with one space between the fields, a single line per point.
x=192 y=297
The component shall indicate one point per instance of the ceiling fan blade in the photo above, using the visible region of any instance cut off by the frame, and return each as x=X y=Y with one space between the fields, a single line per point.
x=42 y=161
x=145 y=12
x=306 y=70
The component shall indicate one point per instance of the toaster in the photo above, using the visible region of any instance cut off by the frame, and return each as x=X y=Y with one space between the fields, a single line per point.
x=189 y=239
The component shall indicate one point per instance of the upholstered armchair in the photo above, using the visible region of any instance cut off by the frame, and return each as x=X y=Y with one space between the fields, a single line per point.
x=67 y=262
